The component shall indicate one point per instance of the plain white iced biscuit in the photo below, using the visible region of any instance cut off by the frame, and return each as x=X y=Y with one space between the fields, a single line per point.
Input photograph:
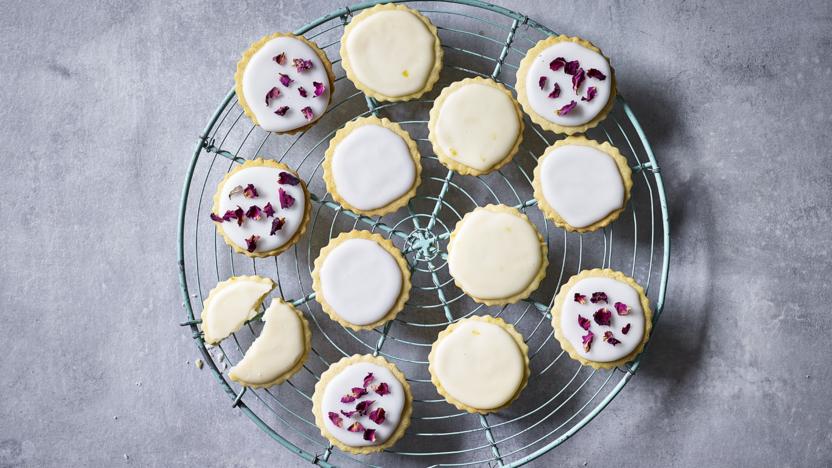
x=582 y=185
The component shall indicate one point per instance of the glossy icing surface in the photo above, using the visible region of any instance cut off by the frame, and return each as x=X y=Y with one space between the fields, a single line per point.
x=264 y=179
x=343 y=383
x=477 y=126
x=494 y=255
x=372 y=167
x=391 y=52
x=231 y=304
x=546 y=106
x=479 y=364
x=582 y=183
x=361 y=281
x=617 y=291
x=276 y=350
x=262 y=74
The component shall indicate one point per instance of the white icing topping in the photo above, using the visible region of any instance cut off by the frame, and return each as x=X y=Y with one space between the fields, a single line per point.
x=546 y=106
x=342 y=384
x=494 y=255
x=372 y=167
x=477 y=126
x=264 y=179
x=361 y=281
x=231 y=304
x=277 y=350
x=616 y=291
x=582 y=183
x=391 y=52
x=261 y=75
x=479 y=364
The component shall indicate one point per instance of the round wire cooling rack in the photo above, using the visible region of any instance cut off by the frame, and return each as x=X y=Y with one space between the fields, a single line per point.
x=562 y=396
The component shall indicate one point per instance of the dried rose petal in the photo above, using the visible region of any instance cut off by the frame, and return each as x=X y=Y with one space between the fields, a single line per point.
x=348 y=398
x=542 y=82
x=584 y=322
x=273 y=94
x=557 y=63
x=359 y=392
x=336 y=419
x=580 y=298
x=239 y=214
x=320 y=88
x=280 y=58
x=587 y=340
x=307 y=113
x=277 y=224
x=285 y=80
x=268 y=210
x=302 y=92
x=622 y=308
x=370 y=435
x=216 y=219
x=599 y=298
x=349 y=414
x=602 y=317
x=286 y=200
x=591 y=92
x=301 y=65
x=626 y=329
x=356 y=427
x=382 y=389
x=570 y=68
x=251 y=242
x=229 y=215
x=250 y=191
x=578 y=79
x=281 y=111
x=567 y=108
x=555 y=92
x=595 y=73
x=254 y=212
x=285 y=178
x=368 y=379
x=377 y=415
x=610 y=339
x=364 y=406
x=236 y=190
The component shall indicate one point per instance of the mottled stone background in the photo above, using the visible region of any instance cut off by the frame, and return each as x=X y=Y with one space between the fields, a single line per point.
x=102 y=102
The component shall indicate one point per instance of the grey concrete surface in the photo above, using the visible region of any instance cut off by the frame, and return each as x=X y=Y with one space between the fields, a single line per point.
x=102 y=101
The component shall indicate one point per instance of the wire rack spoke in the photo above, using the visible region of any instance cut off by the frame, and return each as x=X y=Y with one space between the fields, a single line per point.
x=478 y=40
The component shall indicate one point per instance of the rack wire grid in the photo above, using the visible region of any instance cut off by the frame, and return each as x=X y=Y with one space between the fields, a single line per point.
x=479 y=39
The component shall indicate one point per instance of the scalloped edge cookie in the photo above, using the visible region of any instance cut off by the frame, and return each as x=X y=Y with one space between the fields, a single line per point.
x=307 y=206
x=343 y=133
x=615 y=275
x=387 y=245
x=438 y=54
x=522 y=96
x=623 y=169
x=337 y=368
x=457 y=166
x=509 y=328
x=535 y=282
x=307 y=338
x=243 y=63
x=222 y=284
